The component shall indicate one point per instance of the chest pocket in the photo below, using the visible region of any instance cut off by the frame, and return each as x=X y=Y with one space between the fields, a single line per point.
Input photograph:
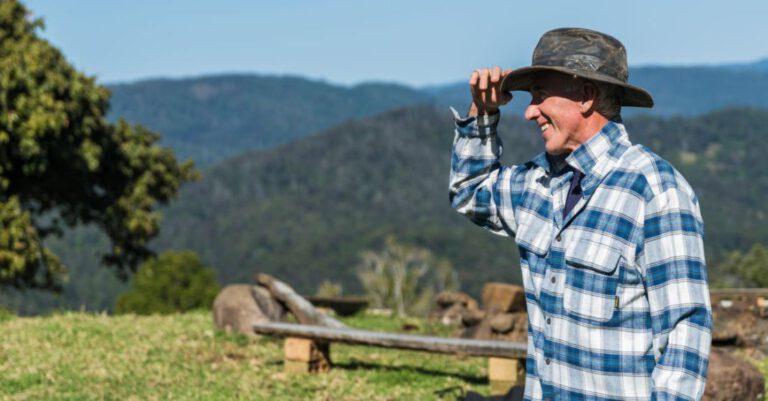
x=591 y=280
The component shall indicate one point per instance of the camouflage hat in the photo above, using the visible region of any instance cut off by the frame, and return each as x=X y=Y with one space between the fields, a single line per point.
x=583 y=53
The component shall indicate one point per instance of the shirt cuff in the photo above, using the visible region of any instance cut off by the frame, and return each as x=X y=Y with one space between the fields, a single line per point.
x=481 y=126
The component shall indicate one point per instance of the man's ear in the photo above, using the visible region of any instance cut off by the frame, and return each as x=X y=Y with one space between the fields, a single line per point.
x=588 y=97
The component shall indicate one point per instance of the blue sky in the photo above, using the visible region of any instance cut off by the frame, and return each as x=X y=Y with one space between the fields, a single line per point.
x=411 y=42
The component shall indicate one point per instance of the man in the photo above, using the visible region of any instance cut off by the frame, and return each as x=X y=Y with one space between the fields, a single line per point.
x=609 y=233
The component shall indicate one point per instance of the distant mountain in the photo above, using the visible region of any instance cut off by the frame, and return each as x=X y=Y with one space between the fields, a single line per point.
x=760 y=66
x=685 y=91
x=211 y=118
x=303 y=211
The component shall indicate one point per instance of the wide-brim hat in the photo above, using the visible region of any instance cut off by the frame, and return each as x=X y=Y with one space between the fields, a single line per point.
x=584 y=53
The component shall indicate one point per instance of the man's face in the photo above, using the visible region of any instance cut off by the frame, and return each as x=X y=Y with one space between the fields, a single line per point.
x=556 y=109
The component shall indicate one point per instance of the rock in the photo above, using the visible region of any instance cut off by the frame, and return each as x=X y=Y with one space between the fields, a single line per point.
x=735 y=326
x=470 y=317
x=503 y=322
x=479 y=331
x=451 y=316
x=503 y=297
x=732 y=379
x=722 y=332
x=446 y=299
x=239 y=306
x=451 y=306
x=517 y=336
x=507 y=322
x=510 y=326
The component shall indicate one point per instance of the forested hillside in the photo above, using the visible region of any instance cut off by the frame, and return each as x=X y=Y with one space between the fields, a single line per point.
x=304 y=210
x=211 y=118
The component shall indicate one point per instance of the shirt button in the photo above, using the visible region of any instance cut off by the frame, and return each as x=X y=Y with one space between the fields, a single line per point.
x=558 y=238
x=547 y=361
x=549 y=321
x=553 y=279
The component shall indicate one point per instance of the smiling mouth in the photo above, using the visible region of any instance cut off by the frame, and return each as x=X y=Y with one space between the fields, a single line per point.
x=544 y=127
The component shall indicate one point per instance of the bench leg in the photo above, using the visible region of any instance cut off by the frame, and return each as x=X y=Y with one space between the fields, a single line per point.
x=306 y=356
x=505 y=373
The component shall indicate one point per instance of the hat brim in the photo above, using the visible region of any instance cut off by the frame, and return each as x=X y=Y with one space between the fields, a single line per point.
x=630 y=95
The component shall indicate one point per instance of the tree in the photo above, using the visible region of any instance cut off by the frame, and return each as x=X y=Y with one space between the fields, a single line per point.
x=404 y=277
x=62 y=164
x=744 y=269
x=172 y=282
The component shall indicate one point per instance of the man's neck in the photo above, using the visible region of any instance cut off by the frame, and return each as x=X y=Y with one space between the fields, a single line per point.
x=591 y=126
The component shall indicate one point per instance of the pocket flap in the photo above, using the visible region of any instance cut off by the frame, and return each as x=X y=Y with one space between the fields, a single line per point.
x=592 y=255
x=533 y=232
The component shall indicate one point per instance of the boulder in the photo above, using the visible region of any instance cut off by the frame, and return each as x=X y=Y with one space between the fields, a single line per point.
x=507 y=322
x=472 y=317
x=504 y=298
x=736 y=327
x=446 y=299
x=510 y=326
x=481 y=330
x=732 y=379
x=237 y=307
x=451 y=306
x=451 y=316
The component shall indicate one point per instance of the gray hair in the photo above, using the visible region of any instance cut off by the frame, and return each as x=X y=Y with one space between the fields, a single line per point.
x=608 y=101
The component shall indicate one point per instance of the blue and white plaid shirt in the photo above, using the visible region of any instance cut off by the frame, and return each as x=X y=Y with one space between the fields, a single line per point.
x=618 y=304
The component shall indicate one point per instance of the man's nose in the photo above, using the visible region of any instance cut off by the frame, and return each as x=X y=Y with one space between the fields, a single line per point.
x=532 y=112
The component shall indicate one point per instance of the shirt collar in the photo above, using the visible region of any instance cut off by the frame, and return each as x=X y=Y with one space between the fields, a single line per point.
x=594 y=158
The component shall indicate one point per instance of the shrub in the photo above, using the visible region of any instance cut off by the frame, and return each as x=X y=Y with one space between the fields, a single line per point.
x=744 y=269
x=329 y=289
x=404 y=277
x=175 y=281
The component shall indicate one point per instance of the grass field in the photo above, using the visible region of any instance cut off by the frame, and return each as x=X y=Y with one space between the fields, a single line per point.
x=75 y=356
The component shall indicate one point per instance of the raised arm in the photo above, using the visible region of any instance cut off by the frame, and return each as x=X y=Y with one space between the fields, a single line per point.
x=675 y=277
x=477 y=181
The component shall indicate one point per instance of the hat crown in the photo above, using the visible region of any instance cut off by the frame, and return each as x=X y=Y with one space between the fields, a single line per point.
x=582 y=50
x=581 y=53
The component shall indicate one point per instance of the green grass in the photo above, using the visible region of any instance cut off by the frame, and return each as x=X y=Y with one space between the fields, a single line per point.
x=763 y=366
x=75 y=356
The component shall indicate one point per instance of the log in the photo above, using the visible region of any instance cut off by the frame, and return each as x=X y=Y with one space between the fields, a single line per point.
x=304 y=311
x=735 y=292
x=489 y=348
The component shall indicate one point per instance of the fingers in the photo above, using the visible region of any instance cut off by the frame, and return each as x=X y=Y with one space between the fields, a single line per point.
x=485 y=86
x=495 y=74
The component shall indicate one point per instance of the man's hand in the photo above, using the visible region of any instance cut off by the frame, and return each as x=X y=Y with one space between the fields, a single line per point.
x=485 y=85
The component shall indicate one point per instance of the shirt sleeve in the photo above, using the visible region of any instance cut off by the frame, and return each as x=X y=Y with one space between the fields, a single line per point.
x=479 y=184
x=675 y=277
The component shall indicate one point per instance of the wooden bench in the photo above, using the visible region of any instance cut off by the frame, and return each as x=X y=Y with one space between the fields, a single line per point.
x=307 y=349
